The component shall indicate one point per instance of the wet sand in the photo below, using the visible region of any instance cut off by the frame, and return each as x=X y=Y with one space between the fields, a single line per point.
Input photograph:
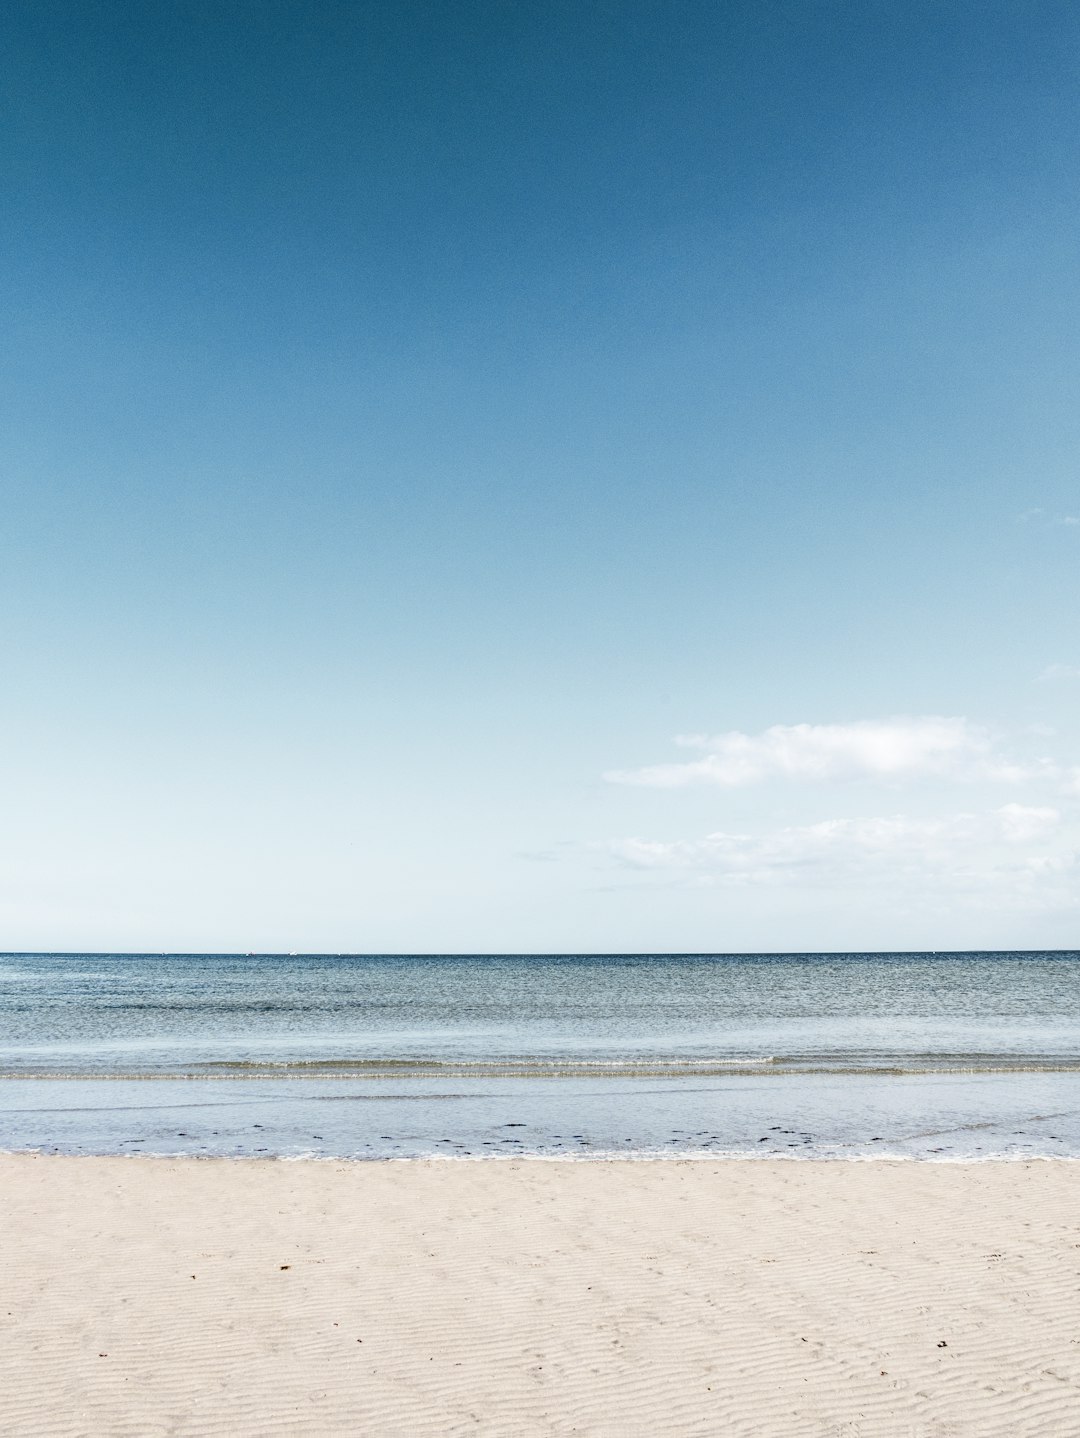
x=153 y=1296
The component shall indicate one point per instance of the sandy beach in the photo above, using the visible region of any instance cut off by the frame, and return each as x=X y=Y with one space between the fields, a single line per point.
x=147 y=1296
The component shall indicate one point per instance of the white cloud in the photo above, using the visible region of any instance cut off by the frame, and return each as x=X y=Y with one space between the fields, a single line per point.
x=1013 y=852
x=888 y=749
x=1038 y=515
x=1061 y=671
x=1022 y=822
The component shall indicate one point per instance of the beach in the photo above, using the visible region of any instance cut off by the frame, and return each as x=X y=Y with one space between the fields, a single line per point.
x=209 y=1296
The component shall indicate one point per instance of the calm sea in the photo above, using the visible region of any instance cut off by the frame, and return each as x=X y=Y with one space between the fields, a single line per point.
x=805 y=1055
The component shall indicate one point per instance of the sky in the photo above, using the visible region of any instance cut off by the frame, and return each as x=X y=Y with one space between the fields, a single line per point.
x=542 y=477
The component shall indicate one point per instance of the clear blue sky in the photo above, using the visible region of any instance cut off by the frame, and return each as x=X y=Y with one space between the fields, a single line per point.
x=415 y=416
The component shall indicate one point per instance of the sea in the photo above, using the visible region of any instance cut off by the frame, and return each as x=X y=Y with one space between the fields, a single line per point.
x=932 y=1056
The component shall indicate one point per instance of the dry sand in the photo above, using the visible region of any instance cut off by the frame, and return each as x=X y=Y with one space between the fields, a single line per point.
x=146 y=1296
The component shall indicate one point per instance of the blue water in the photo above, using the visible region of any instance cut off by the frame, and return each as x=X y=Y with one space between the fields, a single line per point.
x=804 y=1055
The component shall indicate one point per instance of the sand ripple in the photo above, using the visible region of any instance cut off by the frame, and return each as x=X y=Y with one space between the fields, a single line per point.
x=144 y=1297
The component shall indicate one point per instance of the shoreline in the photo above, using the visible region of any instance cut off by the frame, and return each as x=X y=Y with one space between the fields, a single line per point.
x=599 y=1157
x=1014 y=1117
x=543 y=1295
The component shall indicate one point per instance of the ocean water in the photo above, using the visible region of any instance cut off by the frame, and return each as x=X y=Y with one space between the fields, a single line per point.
x=952 y=1055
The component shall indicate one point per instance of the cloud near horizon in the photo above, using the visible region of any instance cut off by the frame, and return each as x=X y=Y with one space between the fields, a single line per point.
x=1015 y=851
x=891 y=749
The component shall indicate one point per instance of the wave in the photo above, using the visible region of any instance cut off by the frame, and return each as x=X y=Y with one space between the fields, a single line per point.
x=862 y=1063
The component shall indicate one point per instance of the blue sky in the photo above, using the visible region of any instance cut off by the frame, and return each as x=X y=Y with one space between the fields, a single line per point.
x=417 y=417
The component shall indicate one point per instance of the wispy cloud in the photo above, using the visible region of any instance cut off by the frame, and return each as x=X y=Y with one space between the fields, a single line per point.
x=1061 y=671
x=1014 y=850
x=1038 y=516
x=890 y=749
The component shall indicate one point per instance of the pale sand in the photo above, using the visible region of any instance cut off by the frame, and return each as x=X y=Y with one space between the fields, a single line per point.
x=144 y=1296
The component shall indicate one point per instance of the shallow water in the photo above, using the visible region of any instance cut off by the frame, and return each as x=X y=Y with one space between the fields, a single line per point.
x=920 y=1055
